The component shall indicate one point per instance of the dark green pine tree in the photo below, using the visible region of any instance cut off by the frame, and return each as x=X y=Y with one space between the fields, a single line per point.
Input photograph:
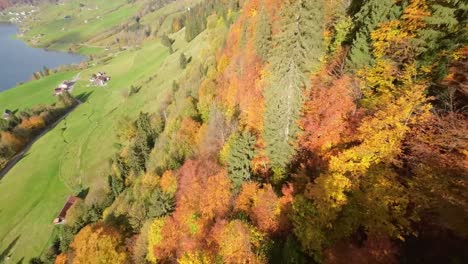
x=262 y=36
x=240 y=155
x=66 y=100
x=366 y=20
x=142 y=144
x=315 y=26
x=145 y=130
x=166 y=41
x=301 y=35
x=447 y=30
x=160 y=203
x=116 y=179
x=284 y=97
x=138 y=155
x=298 y=49
x=183 y=61
x=116 y=185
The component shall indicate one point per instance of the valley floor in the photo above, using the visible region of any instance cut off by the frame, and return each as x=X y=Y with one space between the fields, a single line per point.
x=74 y=154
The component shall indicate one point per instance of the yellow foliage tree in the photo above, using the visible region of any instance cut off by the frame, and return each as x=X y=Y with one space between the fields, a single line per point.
x=150 y=179
x=155 y=237
x=168 y=182
x=195 y=258
x=240 y=243
x=381 y=135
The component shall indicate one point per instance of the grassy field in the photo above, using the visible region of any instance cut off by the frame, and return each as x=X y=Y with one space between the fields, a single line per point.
x=33 y=93
x=74 y=154
x=63 y=25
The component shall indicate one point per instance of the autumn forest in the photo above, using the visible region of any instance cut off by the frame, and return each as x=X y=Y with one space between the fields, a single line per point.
x=314 y=131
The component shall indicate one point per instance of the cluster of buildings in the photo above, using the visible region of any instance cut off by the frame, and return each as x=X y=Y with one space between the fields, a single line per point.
x=18 y=17
x=100 y=79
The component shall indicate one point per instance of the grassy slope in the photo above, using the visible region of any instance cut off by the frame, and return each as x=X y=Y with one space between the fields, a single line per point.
x=33 y=93
x=60 y=33
x=75 y=153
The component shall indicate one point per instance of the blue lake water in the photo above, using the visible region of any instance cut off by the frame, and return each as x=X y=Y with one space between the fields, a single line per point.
x=18 y=61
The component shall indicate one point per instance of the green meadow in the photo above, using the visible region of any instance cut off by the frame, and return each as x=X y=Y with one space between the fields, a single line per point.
x=62 y=25
x=75 y=154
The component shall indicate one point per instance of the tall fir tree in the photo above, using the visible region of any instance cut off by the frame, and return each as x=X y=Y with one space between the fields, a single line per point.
x=241 y=152
x=262 y=36
x=298 y=50
x=284 y=99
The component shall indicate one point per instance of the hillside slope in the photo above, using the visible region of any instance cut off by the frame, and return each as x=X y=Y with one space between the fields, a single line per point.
x=295 y=131
x=75 y=154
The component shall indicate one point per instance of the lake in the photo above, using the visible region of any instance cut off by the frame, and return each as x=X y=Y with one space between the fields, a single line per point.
x=18 y=61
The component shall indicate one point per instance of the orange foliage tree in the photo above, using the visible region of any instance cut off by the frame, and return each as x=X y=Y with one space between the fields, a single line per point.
x=61 y=259
x=204 y=194
x=326 y=113
x=98 y=243
x=11 y=140
x=263 y=206
x=33 y=122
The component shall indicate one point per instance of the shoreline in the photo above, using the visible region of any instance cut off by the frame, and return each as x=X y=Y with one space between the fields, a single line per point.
x=47 y=58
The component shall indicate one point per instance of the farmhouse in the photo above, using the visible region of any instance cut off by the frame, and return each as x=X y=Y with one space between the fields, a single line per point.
x=65 y=86
x=7 y=114
x=60 y=219
x=100 y=79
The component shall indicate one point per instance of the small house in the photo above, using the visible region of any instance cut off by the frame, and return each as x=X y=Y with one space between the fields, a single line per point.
x=59 y=91
x=65 y=86
x=60 y=219
x=7 y=114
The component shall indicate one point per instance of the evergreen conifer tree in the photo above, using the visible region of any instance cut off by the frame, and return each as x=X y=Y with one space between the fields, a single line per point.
x=240 y=154
x=298 y=49
x=372 y=13
x=262 y=36
x=182 y=61
x=446 y=29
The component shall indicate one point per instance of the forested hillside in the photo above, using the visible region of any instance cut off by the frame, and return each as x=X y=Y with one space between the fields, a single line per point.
x=313 y=131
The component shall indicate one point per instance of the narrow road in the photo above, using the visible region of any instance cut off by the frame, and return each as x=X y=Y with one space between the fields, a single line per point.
x=77 y=77
x=20 y=155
